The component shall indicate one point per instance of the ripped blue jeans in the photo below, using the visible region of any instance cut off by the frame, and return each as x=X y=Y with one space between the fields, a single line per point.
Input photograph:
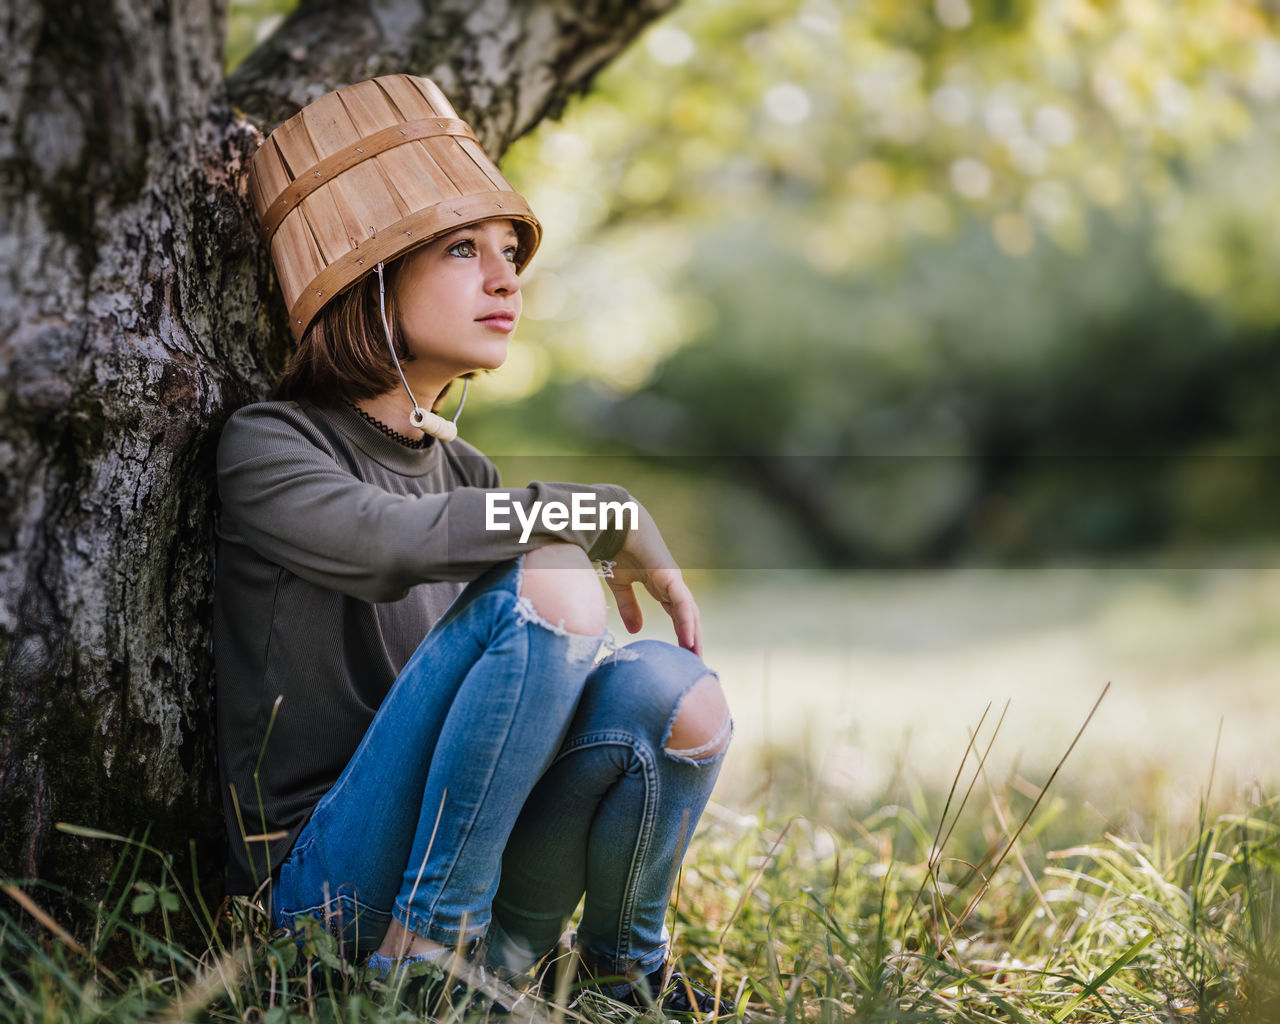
x=505 y=775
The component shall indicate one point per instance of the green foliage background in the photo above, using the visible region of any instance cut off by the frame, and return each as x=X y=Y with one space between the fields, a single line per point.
x=838 y=283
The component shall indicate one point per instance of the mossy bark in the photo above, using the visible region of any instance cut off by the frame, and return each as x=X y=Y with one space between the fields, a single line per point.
x=137 y=310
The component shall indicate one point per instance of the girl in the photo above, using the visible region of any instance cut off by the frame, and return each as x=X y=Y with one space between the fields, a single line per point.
x=419 y=763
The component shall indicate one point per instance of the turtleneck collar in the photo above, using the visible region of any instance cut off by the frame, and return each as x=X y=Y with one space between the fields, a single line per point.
x=378 y=446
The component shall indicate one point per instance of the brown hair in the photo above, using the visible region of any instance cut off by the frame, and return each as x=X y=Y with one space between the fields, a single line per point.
x=343 y=355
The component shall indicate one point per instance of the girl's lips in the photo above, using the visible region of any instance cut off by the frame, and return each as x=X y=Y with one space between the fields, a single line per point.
x=499 y=321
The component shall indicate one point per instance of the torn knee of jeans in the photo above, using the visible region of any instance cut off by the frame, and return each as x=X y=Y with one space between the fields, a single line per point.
x=580 y=646
x=526 y=613
x=700 y=726
x=705 y=752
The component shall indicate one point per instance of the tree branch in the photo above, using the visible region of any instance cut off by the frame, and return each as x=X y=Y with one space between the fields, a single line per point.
x=505 y=64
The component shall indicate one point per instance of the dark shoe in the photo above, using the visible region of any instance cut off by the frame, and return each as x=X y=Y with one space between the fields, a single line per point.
x=681 y=997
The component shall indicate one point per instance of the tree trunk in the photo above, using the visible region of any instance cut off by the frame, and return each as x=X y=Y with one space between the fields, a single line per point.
x=136 y=310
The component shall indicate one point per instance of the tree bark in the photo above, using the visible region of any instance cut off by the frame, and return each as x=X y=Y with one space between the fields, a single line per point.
x=504 y=64
x=137 y=310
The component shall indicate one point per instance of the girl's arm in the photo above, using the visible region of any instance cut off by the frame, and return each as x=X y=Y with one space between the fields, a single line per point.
x=285 y=495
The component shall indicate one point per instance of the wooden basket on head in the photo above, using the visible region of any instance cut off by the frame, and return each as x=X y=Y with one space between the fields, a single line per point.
x=363 y=175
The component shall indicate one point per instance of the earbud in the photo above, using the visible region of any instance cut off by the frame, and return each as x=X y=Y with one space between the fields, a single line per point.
x=432 y=423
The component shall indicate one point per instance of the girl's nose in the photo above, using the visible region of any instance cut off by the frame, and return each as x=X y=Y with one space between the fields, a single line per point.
x=500 y=274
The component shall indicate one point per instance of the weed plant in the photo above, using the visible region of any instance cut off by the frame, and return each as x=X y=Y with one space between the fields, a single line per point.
x=992 y=902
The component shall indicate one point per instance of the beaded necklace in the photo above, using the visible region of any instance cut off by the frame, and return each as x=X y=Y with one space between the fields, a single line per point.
x=395 y=435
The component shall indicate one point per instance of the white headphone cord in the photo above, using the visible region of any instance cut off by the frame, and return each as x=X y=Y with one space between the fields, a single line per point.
x=425 y=420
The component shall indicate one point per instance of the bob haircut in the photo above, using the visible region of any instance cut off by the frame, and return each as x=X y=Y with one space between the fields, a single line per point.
x=343 y=356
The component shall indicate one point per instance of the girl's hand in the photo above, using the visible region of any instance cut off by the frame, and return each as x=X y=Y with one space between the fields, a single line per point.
x=644 y=558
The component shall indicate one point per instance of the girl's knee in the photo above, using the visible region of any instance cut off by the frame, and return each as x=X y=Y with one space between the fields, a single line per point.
x=701 y=725
x=561 y=584
x=670 y=689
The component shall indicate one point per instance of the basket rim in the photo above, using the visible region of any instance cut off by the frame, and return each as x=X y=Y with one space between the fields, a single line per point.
x=357 y=263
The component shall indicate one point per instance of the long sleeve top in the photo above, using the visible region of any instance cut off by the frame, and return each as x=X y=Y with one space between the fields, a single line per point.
x=338 y=548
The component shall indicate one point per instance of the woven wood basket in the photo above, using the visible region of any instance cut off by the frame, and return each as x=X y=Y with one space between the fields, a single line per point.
x=363 y=175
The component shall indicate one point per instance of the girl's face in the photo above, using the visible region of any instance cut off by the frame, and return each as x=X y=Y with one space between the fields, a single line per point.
x=458 y=299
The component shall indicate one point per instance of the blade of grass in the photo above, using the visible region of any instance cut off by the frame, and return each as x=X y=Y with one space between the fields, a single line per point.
x=1202 y=844
x=977 y=897
x=31 y=907
x=958 y=976
x=936 y=850
x=940 y=841
x=221 y=976
x=1117 y=964
x=84 y=832
x=755 y=880
x=1003 y=822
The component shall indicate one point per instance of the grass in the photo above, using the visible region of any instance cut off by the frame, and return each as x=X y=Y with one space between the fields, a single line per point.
x=968 y=883
x=925 y=909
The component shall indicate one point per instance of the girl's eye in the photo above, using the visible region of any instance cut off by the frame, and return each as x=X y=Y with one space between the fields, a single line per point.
x=466 y=248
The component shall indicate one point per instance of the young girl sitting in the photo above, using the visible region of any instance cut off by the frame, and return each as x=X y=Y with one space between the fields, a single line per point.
x=417 y=744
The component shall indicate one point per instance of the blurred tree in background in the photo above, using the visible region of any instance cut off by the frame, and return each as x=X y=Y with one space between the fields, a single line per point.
x=882 y=283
